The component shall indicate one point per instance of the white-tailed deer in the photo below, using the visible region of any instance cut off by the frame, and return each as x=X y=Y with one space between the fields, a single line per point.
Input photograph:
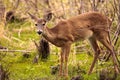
x=92 y=26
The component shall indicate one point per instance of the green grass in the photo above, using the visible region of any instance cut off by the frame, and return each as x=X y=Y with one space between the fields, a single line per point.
x=23 y=68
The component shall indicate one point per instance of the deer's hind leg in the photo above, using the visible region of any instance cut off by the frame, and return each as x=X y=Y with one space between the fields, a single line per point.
x=96 y=52
x=103 y=38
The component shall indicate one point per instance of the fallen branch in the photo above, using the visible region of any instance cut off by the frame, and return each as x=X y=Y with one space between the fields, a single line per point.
x=6 y=50
x=37 y=46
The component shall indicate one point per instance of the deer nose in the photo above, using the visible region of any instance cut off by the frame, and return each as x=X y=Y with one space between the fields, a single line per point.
x=39 y=32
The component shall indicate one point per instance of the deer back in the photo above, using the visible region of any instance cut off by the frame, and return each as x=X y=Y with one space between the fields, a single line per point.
x=82 y=26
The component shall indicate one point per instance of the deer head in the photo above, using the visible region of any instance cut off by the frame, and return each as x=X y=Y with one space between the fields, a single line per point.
x=41 y=22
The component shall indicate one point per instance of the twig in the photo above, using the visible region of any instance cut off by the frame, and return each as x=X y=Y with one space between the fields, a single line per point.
x=17 y=39
x=63 y=7
x=37 y=46
x=6 y=50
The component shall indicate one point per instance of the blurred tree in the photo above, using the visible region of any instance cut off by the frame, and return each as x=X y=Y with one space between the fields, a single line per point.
x=2 y=10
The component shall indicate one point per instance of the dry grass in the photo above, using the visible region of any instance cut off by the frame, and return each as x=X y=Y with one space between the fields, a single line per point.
x=1 y=29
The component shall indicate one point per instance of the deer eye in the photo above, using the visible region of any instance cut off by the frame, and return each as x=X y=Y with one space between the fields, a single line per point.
x=35 y=24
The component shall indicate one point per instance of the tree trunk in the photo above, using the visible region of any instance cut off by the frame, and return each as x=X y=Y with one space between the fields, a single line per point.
x=3 y=74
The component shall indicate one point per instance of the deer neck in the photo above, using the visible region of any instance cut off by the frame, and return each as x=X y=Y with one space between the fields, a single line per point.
x=48 y=34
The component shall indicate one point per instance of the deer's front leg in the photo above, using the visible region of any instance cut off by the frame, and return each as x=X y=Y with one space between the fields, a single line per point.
x=61 y=62
x=67 y=51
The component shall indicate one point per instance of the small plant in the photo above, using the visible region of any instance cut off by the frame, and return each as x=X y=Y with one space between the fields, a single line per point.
x=106 y=74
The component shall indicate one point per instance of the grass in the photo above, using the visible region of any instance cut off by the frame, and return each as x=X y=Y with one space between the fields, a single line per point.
x=23 y=68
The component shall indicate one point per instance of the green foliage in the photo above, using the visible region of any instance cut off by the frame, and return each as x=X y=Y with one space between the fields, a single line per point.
x=22 y=68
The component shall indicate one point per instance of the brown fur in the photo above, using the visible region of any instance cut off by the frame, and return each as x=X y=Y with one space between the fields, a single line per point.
x=78 y=27
x=92 y=26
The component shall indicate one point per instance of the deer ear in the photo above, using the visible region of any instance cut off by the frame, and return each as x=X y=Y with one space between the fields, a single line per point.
x=48 y=16
x=33 y=17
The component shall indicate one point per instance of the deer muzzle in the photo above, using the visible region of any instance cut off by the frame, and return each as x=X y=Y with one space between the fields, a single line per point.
x=39 y=32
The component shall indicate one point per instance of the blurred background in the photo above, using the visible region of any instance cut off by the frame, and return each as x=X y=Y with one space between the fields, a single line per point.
x=18 y=39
